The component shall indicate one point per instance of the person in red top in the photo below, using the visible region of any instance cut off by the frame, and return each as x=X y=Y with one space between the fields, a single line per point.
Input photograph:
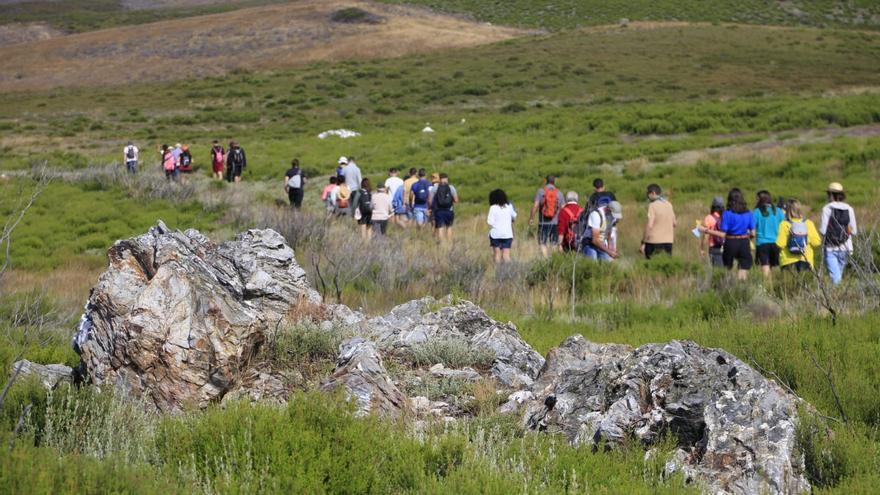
x=713 y=222
x=567 y=218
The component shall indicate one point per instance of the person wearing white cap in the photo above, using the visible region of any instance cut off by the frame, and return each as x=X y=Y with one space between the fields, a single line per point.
x=837 y=227
x=340 y=166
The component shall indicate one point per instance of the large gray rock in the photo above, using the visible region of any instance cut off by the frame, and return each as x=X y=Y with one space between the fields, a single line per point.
x=735 y=428
x=360 y=372
x=515 y=364
x=179 y=319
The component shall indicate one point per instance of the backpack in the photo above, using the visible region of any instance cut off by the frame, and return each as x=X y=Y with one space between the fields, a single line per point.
x=444 y=197
x=797 y=237
x=569 y=237
x=236 y=157
x=129 y=153
x=365 y=203
x=218 y=155
x=550 y=202
x=295 y=181
x=168 y=161
x=185 y=159
x=421 y=193
x=837 y=231
x=585 y=232
x=397 y=201
x=342 y=196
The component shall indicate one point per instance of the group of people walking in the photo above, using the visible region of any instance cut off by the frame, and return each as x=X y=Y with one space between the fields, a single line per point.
x=176 y=160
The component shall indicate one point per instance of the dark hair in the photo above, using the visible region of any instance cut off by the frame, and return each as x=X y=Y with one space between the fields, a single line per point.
x=498 y=197
x=340 y=179
x=765 y=203
x=654 y=188
x=837 y=196
x=365 y=185
x=597 y=183
x=164 y=147
x=551 y=179
x=333 y=179
x=412 y=171
x=392 y=170
x=422 y=172
x=216 y=142
x=716 y=209
x=444 y=175
x=736 y=202
x=295 y=163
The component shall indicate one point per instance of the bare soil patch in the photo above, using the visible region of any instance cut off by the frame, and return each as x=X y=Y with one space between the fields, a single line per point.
x=258 y=38
x=11 y=34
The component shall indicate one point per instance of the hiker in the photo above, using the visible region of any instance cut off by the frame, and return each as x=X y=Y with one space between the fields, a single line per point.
x=341 y=197
x=500 y=220
x=178 y=149
x=616 y=210
x=294 y=180
x=218 y=157
x=130 y=157
x=599 y=192
x=420 y=194
x=363 y=211
x=595 y=231
x=329 y=202
x=737 y=227
x=340 y=166
x=767 y=220
x=567 y=222
x=443 y=198
x=715 y=243
x=353 y=180
x=837 y=227
x=236 y=162
x=399 y=207
x=549 y=201
x=382 y=210
x=404 y=217
x=168 y=163
x=660 y=228
x=796 y=239
x=186 y=159
x=393 y=182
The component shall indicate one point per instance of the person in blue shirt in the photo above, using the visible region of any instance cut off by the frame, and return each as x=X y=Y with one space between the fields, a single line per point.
x=420 y=194
x=767 y=220
x=737 y=228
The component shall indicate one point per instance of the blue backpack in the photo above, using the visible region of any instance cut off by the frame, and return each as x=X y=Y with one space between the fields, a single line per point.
x=797 y=237
x=420 y=192
x=397 y=201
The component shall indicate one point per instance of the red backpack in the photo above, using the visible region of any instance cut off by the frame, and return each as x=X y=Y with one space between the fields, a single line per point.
x=550 y=202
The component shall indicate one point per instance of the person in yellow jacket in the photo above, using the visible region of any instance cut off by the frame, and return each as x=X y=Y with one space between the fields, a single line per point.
x=797 y=239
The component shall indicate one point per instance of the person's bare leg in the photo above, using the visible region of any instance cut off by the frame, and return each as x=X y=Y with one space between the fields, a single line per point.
x=505 y=253
x=497 y=255
x=742 y=274
x=765 y=269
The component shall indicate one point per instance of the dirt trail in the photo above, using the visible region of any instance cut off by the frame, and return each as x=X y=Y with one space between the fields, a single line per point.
x=267 y=37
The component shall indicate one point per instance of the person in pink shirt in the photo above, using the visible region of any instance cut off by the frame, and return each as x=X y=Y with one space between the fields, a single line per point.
x=325 y=195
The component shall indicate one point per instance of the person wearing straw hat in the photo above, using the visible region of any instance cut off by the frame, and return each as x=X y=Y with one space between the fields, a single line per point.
x=838 y=226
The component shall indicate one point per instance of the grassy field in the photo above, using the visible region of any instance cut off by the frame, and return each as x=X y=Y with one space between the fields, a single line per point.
x=560 y=14
x=698 y=109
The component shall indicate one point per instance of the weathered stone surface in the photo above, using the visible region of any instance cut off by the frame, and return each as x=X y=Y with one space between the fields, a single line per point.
x=420 y=321
x=736 y=429
x=50 y=375
x=359 y=370
x=178 y=318
x=464 y=374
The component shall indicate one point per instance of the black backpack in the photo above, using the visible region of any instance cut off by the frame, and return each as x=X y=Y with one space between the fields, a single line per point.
x=365 y=203
x=583 y=232
x=837 y=231
x=444 y=196
x=130 y=153
x=237 y=158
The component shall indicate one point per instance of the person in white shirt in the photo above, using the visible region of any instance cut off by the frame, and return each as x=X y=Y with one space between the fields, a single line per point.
x=838 y=227
x=393 y=182
x=130 y=157
x=500 y=219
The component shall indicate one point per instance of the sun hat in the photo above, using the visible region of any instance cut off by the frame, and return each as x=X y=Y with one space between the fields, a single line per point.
x=616 y=210
x=835 y=187
x=177 y=145
x=343 y=160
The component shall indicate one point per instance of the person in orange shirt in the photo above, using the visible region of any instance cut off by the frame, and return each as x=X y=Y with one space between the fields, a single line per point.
x=714 y=243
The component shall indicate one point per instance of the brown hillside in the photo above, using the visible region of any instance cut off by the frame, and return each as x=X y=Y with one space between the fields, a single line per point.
x=257 y=38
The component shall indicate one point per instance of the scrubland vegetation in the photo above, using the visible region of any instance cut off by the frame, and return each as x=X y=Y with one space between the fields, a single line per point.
x=698 y=109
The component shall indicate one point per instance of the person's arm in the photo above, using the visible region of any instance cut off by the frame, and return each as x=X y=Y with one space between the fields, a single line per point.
x=490 y=218
x=243 y=159
x=286 y=189
x=813 y=236
x=782 y=235
x=649 y=226
x=454 y=195
x=852 y=222
x=823 y=224
x=704 y=240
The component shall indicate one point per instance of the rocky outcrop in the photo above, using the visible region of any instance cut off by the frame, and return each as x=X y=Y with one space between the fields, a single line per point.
x=50 y=375
x=360 y=372
x=735 y=428
x=178 y=318
x=513 y=362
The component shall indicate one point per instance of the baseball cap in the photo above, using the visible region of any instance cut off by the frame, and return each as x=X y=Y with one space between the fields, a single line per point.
x=616 y=210
x=835 y=187
x=343 y=160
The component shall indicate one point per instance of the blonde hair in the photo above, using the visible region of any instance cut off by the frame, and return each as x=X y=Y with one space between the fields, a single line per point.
x=794 y=209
